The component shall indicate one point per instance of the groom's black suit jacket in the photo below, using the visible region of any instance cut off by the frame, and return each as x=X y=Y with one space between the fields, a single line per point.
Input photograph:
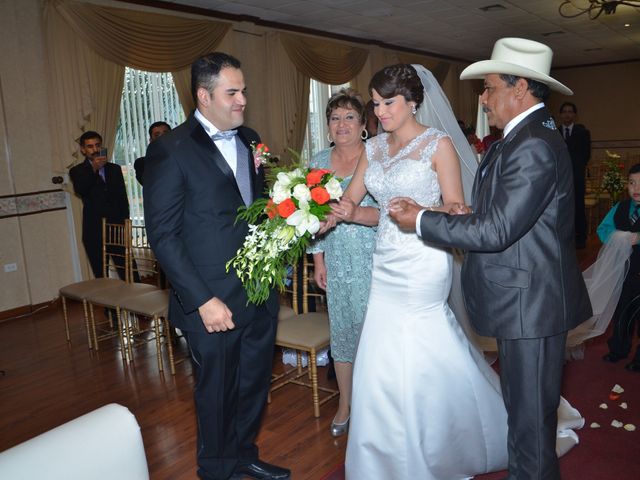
x=191 y=200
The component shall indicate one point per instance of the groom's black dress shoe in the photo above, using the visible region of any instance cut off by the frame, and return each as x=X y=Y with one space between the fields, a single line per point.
x=633 y=366
x=261 y=470
x=612 y=357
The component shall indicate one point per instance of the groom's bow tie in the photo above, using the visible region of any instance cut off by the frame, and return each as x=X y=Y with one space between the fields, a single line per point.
x=224 y=135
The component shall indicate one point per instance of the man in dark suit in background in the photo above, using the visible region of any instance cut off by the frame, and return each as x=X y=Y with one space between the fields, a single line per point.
x=520 y=278
x=156 y=130
x=578 y=141
x=197 y=177
x=100 y=185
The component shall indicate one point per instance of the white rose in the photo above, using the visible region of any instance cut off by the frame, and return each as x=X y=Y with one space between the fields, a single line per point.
x=283 y=180
x=334 y=189
x=302 y=193
x=297 y=173
x=280 y=192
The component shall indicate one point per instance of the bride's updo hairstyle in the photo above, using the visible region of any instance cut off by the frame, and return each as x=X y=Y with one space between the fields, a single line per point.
x=400 y=79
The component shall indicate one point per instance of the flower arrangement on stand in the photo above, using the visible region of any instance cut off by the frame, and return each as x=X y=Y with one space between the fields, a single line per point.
x=613 y=180
x=281 y=226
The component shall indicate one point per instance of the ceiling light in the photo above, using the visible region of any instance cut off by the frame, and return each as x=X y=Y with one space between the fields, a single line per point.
x=594 y=8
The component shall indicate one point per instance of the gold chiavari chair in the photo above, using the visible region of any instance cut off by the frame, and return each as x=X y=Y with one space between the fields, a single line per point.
x=304 y=332
x=154 y=305
x=112 y=297
x=115 y=241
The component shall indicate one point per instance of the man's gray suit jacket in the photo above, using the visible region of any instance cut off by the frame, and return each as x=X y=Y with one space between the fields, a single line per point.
x=520 y=276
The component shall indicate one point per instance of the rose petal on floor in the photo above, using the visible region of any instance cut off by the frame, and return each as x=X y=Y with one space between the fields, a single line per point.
x=617 y=389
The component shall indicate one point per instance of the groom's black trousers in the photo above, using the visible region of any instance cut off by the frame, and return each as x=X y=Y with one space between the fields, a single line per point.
x=531 y=380
x=233 y=376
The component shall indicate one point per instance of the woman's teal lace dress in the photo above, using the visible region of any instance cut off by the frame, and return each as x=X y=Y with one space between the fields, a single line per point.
x=348 y=251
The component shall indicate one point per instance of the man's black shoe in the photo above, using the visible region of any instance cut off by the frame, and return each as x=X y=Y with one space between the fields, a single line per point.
x=612 y=357
x=633 y=366
x=261 y=470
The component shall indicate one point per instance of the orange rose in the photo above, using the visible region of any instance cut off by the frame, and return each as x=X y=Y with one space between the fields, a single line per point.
x=263 y=148
x=320 y=195
x=271 y=209
x=314 y=177
x=286 y=208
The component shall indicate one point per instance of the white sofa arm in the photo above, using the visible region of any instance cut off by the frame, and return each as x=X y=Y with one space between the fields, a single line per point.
x=104 y=444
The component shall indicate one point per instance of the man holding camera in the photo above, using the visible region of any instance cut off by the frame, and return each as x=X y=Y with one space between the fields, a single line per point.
x=100 y=185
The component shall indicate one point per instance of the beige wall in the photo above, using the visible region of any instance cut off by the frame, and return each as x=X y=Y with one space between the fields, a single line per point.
x=607 y=98
x=37 y=243
x=609 y=106
x=40 y=243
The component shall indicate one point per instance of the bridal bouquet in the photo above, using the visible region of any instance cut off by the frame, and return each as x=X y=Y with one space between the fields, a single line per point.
x=280 y=227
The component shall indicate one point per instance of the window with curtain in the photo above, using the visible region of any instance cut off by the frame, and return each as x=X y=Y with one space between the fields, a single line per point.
x=147 y=97
x=315 y=138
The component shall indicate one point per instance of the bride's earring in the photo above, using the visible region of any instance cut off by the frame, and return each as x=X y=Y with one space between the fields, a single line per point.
x=413 y=109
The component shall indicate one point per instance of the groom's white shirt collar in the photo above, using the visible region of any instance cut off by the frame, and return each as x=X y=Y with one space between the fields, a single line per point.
x=226 y=147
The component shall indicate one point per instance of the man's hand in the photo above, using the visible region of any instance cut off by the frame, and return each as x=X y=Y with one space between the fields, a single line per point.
x=216 y=316
x=404 y=211
x=98 y=162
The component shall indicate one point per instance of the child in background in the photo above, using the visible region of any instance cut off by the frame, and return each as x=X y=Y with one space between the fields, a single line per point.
x=624 y=216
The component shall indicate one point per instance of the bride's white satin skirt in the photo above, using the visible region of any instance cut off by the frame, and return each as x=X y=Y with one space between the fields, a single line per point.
x=425 y=403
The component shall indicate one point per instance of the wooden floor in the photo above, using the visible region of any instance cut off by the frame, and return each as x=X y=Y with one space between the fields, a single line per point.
x=48 y=382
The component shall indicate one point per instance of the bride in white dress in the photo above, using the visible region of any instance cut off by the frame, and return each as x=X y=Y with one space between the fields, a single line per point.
x=425 y=403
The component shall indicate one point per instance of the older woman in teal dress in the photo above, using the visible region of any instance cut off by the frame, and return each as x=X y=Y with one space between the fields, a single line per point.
x=342 y=257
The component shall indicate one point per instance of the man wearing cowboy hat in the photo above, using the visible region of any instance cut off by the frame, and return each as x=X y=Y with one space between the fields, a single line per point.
x=521 y=281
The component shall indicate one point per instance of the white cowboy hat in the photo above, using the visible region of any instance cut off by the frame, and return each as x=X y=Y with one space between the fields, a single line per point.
x=520 y=57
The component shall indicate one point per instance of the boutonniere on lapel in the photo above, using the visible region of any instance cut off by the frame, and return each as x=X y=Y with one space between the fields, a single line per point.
x=261 y=155
x=550 y=124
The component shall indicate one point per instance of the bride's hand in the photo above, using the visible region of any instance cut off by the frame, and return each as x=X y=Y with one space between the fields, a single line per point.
x=459 y=209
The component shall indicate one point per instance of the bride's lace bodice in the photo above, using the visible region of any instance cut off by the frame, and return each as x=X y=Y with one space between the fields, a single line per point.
x=406 y=174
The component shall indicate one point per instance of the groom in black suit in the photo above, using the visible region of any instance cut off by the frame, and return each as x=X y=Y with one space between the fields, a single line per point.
x=521 y=280
x=198 y=175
